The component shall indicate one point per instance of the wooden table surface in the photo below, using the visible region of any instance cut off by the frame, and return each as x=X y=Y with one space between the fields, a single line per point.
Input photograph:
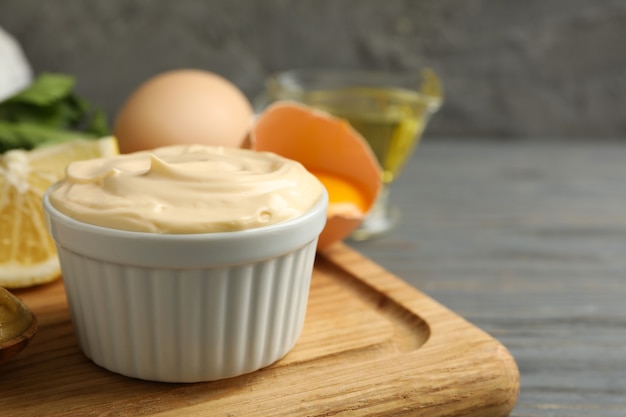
x=527 y=240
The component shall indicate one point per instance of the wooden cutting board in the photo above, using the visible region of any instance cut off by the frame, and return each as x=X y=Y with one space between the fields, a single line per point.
x=372 y=345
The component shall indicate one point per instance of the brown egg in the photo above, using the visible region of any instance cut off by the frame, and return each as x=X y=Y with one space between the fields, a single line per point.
x=333 y=151
x=183 y=106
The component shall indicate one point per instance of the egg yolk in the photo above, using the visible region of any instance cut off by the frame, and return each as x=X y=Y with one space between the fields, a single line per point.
x=343 y=196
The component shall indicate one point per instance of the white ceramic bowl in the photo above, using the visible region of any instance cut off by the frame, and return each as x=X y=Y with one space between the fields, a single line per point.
x=187 y=308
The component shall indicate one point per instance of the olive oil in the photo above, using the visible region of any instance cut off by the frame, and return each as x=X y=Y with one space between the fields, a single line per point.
x=389 y=109
x=390 y=120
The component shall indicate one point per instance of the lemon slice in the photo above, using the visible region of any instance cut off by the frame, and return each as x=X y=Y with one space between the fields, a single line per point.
x=27 y=252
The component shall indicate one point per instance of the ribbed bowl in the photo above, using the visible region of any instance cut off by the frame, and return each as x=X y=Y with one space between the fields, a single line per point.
x=187 y=308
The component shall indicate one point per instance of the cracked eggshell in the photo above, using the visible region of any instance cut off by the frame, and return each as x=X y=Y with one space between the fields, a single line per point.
x=322 y=143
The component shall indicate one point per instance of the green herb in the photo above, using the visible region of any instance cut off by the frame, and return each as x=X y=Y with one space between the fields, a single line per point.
x=48 y=111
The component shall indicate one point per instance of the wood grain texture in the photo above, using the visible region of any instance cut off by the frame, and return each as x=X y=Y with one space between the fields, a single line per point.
x=526 y=240
x=372 y=346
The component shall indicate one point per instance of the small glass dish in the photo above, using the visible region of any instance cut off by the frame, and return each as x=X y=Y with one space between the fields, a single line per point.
x=390 y=109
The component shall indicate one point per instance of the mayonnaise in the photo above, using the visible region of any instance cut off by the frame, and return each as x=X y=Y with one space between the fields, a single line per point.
x=186 y=189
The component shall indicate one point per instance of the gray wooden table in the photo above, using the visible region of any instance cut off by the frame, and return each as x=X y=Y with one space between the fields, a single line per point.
x=527 y=240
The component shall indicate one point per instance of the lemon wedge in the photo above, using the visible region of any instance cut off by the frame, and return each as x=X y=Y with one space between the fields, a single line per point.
x=27 y=252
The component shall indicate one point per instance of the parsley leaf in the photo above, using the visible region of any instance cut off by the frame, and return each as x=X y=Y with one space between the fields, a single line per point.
x=48 y=111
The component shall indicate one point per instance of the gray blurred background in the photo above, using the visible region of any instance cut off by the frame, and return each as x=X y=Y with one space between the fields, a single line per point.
x=511 y=68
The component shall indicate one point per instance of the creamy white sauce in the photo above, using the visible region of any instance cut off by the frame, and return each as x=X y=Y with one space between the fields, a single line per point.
x=186 y=189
